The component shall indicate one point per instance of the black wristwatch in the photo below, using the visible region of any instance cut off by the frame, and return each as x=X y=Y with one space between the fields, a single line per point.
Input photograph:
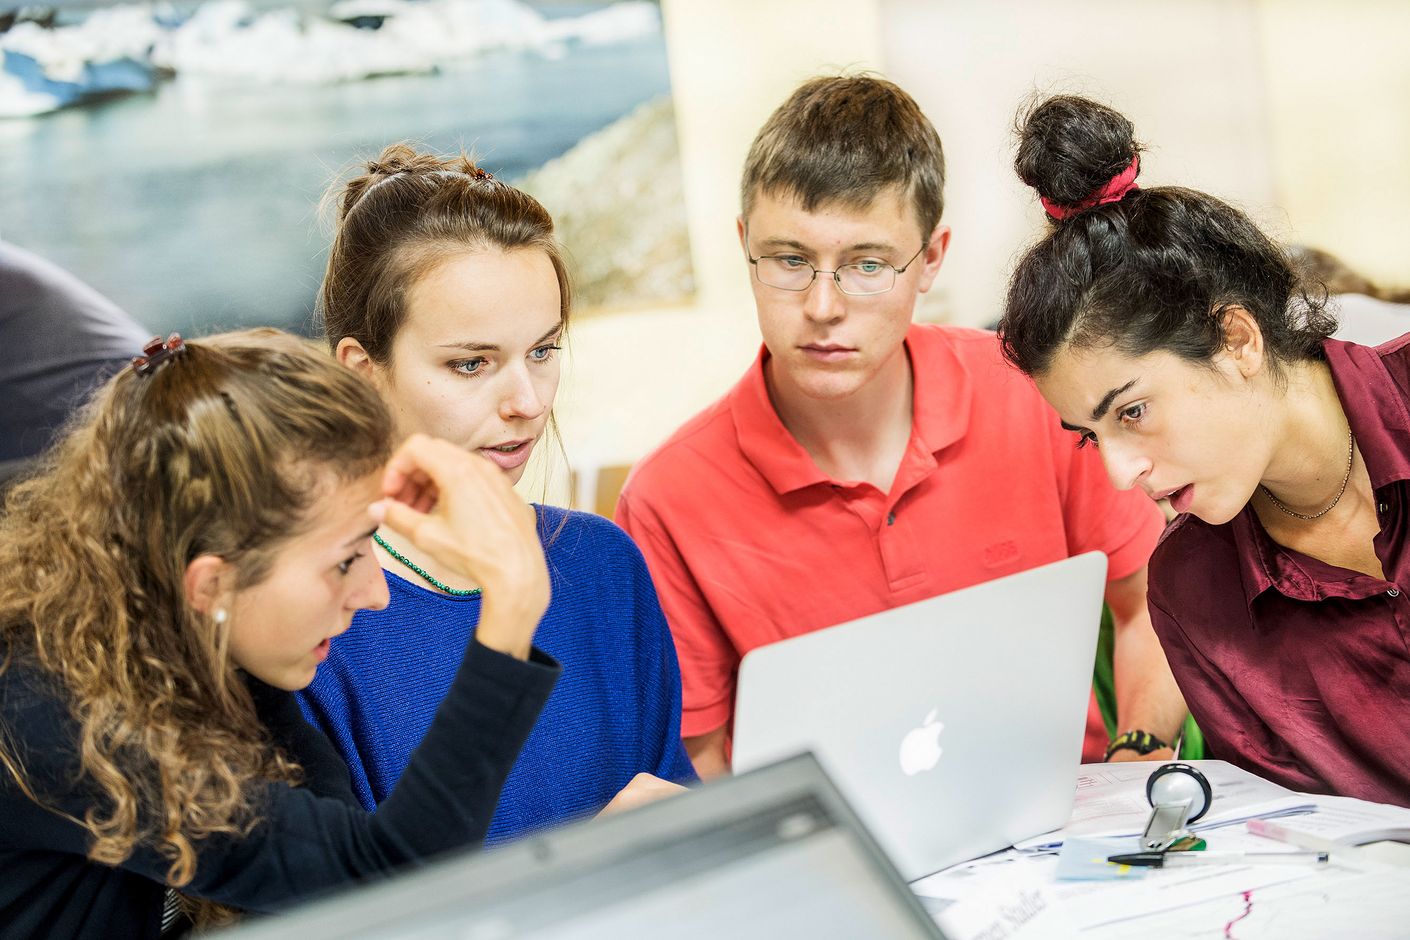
x=1142 y=742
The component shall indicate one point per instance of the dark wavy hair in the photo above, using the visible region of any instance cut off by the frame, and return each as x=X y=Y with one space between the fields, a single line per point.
x=1154 y=270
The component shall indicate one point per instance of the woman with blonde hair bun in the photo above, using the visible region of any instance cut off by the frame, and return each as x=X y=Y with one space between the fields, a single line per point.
x=173 y=573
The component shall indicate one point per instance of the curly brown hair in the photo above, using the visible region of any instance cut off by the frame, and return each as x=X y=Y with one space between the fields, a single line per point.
x=221 y=451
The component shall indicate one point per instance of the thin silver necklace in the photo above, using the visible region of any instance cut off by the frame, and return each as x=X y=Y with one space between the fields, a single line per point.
x=1350 y=456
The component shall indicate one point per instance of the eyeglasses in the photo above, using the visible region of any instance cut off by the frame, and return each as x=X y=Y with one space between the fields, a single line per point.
x=859 y=279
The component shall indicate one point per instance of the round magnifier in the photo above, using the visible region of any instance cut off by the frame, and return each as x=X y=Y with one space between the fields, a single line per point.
x=1176 y=783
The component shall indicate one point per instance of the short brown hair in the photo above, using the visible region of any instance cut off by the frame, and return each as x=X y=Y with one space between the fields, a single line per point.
x=405 y=213
x=842 y=140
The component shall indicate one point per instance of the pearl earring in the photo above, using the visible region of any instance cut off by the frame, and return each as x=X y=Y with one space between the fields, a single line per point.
x=219 y=616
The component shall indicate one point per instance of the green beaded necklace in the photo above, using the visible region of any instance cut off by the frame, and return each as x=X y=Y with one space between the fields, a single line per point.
x=454 y=592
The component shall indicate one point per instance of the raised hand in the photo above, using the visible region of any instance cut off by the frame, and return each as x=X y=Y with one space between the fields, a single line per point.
x=459 y=509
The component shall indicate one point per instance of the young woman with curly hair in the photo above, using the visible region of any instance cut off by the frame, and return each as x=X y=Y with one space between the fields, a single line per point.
x=174 y=572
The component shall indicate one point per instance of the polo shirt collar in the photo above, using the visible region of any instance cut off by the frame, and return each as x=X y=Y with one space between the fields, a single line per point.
x=940 y=412
x=1375 y=408
x=763 y=439
x=941 y=402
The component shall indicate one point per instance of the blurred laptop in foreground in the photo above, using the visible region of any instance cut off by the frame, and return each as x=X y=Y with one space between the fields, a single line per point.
x=774 y=853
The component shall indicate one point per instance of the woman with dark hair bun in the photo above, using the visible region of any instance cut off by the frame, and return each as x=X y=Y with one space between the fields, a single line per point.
x=1166 y=329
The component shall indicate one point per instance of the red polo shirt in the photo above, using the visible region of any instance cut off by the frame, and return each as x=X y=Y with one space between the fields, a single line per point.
x=749 y=542
x=1296 y=669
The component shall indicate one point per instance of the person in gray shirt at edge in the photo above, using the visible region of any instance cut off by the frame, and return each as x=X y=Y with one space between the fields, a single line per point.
x=59 y=339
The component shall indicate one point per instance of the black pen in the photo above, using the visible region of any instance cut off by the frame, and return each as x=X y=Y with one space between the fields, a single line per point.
x=1191 y=859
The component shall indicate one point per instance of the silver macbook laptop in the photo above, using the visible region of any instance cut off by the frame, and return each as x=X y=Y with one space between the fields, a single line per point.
x=954 y=725
x=775 y=853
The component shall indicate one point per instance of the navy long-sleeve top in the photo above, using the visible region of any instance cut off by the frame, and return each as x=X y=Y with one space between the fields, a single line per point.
x=615 y=713
x=310 y=839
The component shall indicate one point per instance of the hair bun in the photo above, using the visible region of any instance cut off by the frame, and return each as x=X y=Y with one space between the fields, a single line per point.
x=1071 y=147
x=403 y=158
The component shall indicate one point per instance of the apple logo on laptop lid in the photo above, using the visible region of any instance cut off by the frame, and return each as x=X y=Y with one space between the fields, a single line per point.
x=920 y=748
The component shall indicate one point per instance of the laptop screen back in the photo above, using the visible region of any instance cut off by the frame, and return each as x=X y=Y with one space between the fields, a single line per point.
x=953 y=725
x=771 y=854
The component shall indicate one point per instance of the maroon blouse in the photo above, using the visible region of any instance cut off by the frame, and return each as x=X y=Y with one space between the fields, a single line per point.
x=1295 y=669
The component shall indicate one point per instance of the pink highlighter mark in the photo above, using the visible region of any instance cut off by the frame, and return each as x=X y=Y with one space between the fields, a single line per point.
x=1248 y=907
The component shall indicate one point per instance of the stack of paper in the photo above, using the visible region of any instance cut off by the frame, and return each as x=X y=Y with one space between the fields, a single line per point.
x=978 y=893
x=1111 y=801
x=1355 y=822
x=1367 y=900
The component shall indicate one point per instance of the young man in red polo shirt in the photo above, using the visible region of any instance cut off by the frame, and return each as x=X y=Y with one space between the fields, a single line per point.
x=865 y=462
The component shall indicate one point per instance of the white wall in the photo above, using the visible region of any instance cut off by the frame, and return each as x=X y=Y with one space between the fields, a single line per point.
x=1338 y=91
x=631 y=378
x=1296 y=110
x=1180 y=71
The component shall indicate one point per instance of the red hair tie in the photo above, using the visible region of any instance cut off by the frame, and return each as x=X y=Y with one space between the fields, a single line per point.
x=1116 y=188
x=157 y=352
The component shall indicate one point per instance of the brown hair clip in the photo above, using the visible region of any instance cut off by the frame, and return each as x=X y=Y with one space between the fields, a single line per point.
x=157 y=352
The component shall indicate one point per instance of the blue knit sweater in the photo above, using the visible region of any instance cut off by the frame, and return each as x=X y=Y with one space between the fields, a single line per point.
x=615 y=712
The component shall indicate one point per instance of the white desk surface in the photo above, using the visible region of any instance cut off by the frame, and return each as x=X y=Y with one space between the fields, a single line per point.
x=1015 y=895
